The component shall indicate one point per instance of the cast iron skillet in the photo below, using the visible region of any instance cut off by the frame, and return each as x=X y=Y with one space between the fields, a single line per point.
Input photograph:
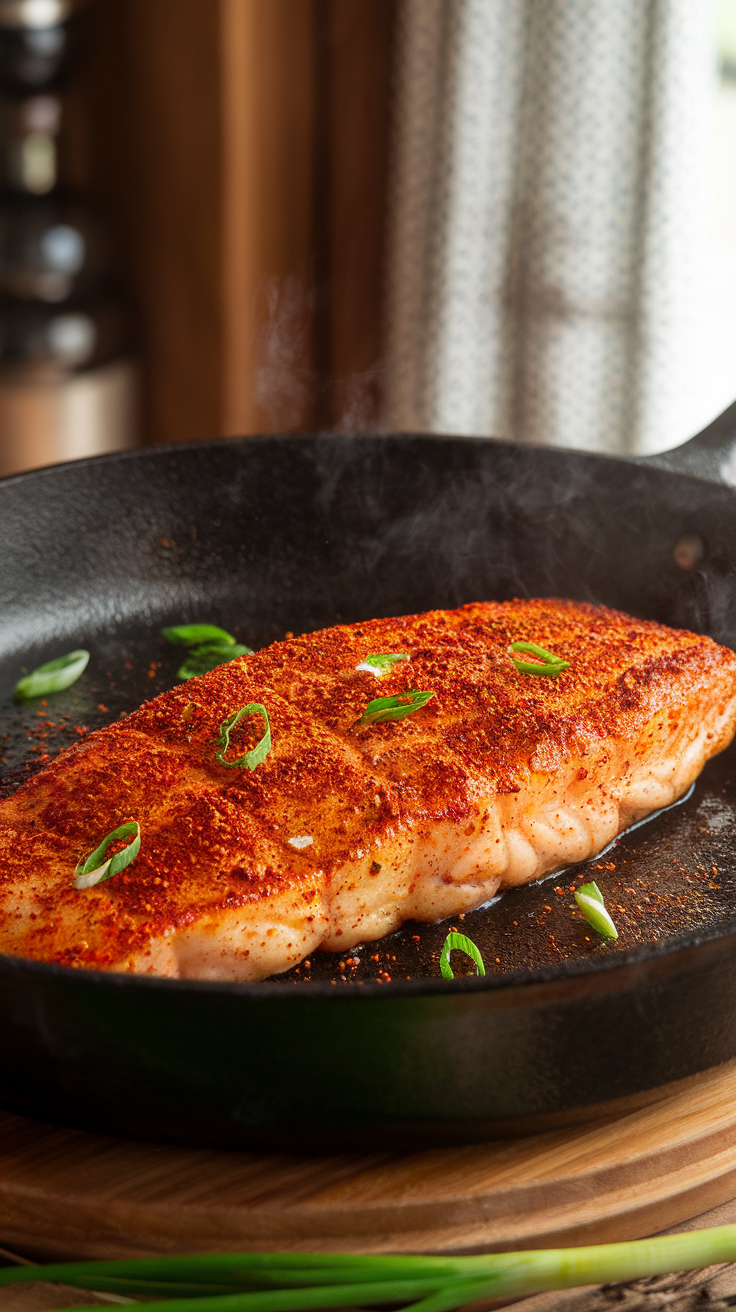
x=276 y=534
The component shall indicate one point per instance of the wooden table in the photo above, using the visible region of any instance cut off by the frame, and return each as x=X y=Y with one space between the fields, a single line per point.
x=65 y=1194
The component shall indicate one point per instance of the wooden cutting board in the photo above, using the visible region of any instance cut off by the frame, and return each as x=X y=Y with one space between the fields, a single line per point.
x=65 y=1193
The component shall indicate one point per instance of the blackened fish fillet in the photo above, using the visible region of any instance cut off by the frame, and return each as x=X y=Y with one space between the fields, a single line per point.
x=346 y=830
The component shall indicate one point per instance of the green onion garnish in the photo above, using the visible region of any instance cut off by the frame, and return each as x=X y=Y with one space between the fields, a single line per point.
x=381 y=664
x=54 y=676
x=296 y=1282
x=459 y=943
x=590 y=900
x=94 y=870
x=207 y=657
x=259 y=753
x=191 y=635
x=212 y=647
x=394 y=708
x=551 y=665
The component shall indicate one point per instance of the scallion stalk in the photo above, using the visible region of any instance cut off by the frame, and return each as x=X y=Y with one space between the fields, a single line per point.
x=424 y=1284
x=547 y=663
x=209 y=647
x=193 y=635
x=459 y=943
x=207 y=657
x=52 y=677
x=590 y=900
x=259 y=753
x=383 y=709
x=381 y=663
x=93 y=869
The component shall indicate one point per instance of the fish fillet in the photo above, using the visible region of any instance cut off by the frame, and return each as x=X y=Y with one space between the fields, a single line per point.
x=345 y=830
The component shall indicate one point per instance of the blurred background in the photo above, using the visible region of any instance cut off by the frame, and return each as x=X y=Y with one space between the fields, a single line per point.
x=503 y=217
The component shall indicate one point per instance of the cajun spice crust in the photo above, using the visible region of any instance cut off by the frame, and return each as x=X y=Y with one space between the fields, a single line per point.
x=500 y=779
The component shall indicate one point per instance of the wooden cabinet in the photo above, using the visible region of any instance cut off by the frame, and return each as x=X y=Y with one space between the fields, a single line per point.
x=240 y=150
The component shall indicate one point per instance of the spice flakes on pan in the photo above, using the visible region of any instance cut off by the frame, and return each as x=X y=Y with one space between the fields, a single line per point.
x=674 y=874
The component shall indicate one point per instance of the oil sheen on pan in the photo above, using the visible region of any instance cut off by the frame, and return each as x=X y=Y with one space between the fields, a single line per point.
x=314 y=797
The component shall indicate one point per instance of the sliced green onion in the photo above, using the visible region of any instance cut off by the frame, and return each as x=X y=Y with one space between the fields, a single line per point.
x=381 y=664
x=459 y=943
x=54 y=676
x=590 y=900
x=94 y=870
x=551 y=665
x=259 y=753
x=191 y=635
x=394 y=708
x=207 y=657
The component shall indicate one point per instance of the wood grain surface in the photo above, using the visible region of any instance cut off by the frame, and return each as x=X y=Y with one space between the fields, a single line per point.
x=67 y=1193
x=190 y=124
x=239 y=153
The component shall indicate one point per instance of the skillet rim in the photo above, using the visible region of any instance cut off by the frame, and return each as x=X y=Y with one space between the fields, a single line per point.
x=586 y=968
x=265 y=990
x=655 y=463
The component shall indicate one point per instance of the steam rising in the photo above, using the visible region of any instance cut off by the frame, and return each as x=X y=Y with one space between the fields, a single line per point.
x=357 y=401
x=431 y=525
x=284 y=378
x=290 y=393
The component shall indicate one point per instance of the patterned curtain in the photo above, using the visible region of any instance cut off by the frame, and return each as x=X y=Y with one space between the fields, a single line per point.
x=551 y=220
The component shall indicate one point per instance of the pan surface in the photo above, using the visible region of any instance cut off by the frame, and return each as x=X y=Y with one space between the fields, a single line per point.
x=274 y=535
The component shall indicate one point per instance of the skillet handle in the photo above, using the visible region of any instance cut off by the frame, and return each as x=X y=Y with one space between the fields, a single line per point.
x=710 y=454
